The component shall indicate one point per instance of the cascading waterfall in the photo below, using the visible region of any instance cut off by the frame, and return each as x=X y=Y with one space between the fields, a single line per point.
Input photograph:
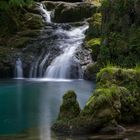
x=45 y=14
x=18 y=69
x=66 y=40
x=61 y=66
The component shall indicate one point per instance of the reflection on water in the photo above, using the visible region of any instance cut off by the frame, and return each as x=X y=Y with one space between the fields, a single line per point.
x=30 y=106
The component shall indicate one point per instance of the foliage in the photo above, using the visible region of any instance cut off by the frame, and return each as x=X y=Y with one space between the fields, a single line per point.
x=94 y=26
x=4 y=5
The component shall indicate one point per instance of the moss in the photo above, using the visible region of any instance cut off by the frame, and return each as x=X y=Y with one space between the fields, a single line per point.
x=33 y=21
x=94 y=26
x=91 y=71
x=102 y=97
x=129 y=79
x=94 y=2
x=75 y=12
x=19 y=42
x=94 y=45
x=116 y=99
x=70 y=107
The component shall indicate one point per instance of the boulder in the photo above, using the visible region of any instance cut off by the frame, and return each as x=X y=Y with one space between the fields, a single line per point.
x=70 y=107
x=69 y=12
x=91 y=71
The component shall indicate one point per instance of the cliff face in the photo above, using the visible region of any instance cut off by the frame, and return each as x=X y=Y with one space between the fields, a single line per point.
x=18 y=28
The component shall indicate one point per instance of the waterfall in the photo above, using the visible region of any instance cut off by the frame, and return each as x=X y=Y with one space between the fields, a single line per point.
x=61 y=66
x=63 y=41
x=45 y=14
x=18 y=69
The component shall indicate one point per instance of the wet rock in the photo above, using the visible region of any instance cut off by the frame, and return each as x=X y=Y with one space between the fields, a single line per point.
x=91 y=70
x=68 y=12
x=33 y=21
x=111 y=129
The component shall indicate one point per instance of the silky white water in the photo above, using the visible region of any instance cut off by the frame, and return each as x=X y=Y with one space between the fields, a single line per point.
x=61 y=65
x=18 y=69
x=45 y=14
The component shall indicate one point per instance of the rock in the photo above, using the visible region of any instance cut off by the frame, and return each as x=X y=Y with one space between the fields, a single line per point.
x=85 y=58
x=95 y=23
x=93 y=117
x=107 y=137
x=91 y=71
x=113 y=101
x=69 y=110
x=50 y=5
x=33 y=21
x=113 y=129
x=70 y=107
x=94 y=45
x=69 y=12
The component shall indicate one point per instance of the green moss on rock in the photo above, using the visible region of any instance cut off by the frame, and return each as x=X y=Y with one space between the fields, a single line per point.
x=95 y=22
x=129 y=81
x=94 y=45
x=70 y=107
x=91 y=71
x=116 y=99
x=33 y=21
x=73 y=12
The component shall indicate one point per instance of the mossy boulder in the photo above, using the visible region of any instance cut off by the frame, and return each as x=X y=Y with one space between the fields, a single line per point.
x=73 y=12
x=69 y=110
x=129 y=82
x=94 y=45
x=33 y=21
x=95 y=23
x=91 y=71
x=70 y=107
x=50 y=5
x=101 y=110
x=116 y=99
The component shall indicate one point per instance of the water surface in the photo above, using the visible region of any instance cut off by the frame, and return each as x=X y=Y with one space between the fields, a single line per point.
x=27 y=104
x=28 y=108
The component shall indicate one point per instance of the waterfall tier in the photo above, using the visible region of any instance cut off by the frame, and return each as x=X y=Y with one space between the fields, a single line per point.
x=58 y=59
x=18 y=69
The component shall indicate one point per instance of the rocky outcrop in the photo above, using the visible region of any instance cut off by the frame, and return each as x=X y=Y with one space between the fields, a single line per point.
x=23 y=29
x=116 y=99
